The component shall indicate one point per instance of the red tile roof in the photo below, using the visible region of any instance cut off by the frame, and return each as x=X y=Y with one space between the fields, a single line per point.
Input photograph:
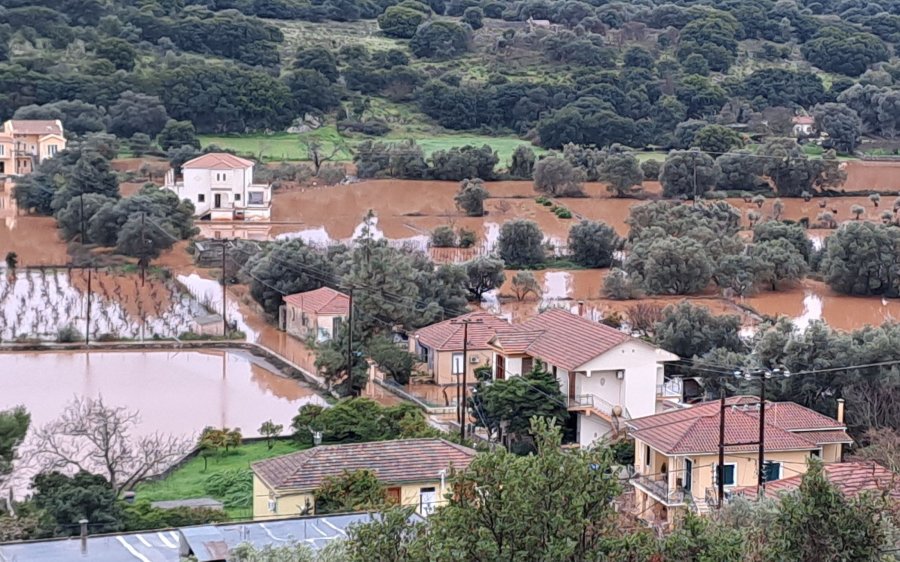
x=452 y=255
x=36 y=127
x=851 y=478
x=803 y=120
x=448 y=335
x=321 y=301
x=393 y=462
x=218 y=161
x=559 y=338
x=695 y=430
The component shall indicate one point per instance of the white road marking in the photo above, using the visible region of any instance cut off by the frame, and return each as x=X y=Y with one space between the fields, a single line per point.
x=174 y=536
x=164 y=540
x=327 y=522
x=143 y=540
x=131 y=549
x=318 y=530
x=268 y=532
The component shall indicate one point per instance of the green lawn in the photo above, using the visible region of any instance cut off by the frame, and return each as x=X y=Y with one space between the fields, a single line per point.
x=286 y=146
x=187 y=481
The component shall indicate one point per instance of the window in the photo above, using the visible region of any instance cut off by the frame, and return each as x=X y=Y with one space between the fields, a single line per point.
x=427 y=500
x=336 y=324
x=730 y=474
x=422 y=352
x=2 y=149
x=647 y=455
x=201 y=198
x=255 y=197
x=527 y=365
x=51 y=150
x=458 y=364
x=771 y=471
x=304 y=319
x=237 y=196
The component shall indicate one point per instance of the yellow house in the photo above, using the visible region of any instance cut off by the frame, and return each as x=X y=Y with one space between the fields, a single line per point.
x=26 y=143
x=677 y=452
x=440 y=346
x=319 y=313
x=413 y=471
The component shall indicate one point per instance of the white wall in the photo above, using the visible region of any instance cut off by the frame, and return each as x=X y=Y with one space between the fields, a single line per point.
x=226 y=183
x=591 y=429
x=637 y=390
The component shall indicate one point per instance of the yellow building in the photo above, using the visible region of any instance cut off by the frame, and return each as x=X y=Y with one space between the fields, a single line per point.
x=413 y=471
x=677 y=452
x=440 y=346
x=26 y=143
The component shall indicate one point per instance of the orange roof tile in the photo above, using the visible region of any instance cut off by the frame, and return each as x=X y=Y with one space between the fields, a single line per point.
x=851 y=478
x=696 y=430
x=448 y=335
x=324 y=300
x=393 y=462
x=560 y=338
x=36 y=127
x=218 y=161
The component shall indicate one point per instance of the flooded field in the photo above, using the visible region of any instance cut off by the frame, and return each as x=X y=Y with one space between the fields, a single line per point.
x=582 y=290
x=872 y=175
x=37 y=303
x=178 y=393
x=33 y=239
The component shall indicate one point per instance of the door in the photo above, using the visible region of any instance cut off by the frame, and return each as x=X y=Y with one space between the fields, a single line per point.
x=217 y=200
x=501 y=368
x=393 y=496
x=571 y=386
x=427 y=500
x=688 y=474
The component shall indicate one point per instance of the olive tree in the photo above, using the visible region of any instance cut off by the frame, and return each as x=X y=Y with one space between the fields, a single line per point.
x=470 y=197
x=592 y=243
x=688 y=173
x=557 y=176
x=521 y=243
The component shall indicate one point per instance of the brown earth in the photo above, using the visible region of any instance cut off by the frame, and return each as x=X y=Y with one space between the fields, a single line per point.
x=872 y=175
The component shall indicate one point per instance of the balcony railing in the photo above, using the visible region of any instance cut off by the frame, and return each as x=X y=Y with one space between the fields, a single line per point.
x=670 y=389
x=593 y=402
x=659 y=488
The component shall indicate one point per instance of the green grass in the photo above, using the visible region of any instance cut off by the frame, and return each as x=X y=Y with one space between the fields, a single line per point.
x=287 y=146
x=188 y=481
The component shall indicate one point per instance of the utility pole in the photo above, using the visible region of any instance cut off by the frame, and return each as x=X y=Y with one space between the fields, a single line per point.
x=461 y=393
x=81 y=198
x=87 y=329
x=143 y=247
x=761 y=477
x=350 y=339
x=224 y=289
x=720 y=470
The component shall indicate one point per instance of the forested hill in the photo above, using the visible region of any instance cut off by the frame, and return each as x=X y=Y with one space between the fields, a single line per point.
x=639 y=73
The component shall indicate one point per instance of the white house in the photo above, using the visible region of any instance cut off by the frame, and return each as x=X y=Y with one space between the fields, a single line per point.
x=803 y=126
x=220 y=185
x=606 y=376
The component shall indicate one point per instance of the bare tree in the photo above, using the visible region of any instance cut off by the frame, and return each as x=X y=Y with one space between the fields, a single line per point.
x=317 y=155
x=643 y=317
x=94 y=437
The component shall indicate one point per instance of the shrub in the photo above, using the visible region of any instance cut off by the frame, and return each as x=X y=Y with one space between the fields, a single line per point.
x=234 y=486
x=443 y=237
x=68 y=334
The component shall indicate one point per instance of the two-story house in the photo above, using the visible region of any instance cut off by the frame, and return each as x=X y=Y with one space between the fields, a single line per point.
x=605 y=375
x=26 y=143
x=439 y=347
x=319 y=313
x=220 y=185
x=677 y=452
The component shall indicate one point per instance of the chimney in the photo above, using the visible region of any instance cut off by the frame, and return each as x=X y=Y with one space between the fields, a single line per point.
x=840 y=410
x=580 y=308
x=84 y=534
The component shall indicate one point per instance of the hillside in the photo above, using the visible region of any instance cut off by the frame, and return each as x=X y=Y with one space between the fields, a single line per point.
x=448 y=74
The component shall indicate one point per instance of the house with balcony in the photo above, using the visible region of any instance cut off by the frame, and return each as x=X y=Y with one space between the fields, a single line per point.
x=25 y=143
x=439 y=347
x=606 y=376
x=318 y=314
x=677 y=452
x=220 y=185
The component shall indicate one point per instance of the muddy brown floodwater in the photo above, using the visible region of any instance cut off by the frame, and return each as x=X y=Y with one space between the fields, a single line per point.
x=175 y=392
